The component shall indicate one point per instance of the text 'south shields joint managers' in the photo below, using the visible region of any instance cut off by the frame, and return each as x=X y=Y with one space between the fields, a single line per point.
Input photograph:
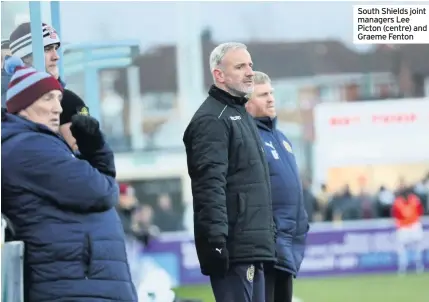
x=391 y=24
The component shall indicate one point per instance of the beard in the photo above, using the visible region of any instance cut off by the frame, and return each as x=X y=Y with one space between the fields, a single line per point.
x=240 y=90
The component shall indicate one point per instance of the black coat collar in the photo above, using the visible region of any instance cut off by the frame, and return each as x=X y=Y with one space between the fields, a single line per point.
x=225 y=97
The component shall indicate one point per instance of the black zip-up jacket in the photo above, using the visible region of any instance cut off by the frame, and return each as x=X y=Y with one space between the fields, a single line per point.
x=230 y=181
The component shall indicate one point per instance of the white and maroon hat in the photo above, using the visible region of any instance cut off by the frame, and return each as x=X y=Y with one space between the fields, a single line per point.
x=21 y=40
x=27 y=85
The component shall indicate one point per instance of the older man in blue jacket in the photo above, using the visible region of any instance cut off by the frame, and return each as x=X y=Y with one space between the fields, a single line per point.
x=62 y=207
x=288 y=205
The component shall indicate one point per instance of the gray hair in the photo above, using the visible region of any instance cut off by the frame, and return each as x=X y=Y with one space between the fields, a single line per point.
x=219 y=52
x=261 y=78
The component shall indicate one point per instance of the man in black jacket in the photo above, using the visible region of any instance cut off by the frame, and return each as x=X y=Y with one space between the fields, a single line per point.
x=233 y=222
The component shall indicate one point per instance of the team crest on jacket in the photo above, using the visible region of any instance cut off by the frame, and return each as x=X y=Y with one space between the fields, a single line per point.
x=287 y=146
x=250 y=273
x=83 y=111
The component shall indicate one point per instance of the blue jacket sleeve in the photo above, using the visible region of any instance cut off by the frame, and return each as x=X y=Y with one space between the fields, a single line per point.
x=102 y=159
x=44 y=167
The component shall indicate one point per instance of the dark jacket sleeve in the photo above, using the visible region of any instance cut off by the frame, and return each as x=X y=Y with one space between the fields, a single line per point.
x=43 y=167
x=207 y=142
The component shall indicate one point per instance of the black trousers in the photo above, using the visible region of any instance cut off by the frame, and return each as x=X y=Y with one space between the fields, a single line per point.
x=243 y=283
x=278 y=285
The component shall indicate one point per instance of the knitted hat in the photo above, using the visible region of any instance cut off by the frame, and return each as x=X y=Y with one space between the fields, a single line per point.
x=27 y=85
x=72 y=104
x=21 y=41
x=5 y=44
x=126 y=189
x=123 y=188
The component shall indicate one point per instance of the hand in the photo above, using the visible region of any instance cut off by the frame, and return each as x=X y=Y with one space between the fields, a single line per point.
x=86 y=130
x=218 y=259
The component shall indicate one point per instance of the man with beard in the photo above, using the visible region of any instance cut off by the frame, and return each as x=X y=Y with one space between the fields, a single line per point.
x=233 y=222
x=289 y=203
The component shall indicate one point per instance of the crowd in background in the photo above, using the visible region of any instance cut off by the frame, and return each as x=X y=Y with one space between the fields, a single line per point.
x=144 y=220
x=344 y=205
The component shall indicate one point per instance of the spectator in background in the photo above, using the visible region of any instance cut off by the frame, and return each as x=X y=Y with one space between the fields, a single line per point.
x=21 y=46
x=165 y=217
x=343 y=206
x=422 y=191
x=385 y=199
x=136 y=220
x=310 y=201
x=142 y=224
x=62 y=207
x=323 y=199
x=127 y=206
x=403 y=187
x=286 y=191
x=5 y=78
x=367 y=204
x=407 y=211
x=426 y=184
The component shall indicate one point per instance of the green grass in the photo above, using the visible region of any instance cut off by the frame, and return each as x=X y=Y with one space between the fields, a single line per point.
x=376 y=288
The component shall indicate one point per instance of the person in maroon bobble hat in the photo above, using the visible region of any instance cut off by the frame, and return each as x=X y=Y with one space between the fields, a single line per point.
x=61 y=207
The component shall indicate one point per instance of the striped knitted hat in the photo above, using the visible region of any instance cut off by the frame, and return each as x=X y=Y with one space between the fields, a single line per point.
x=21 y=41
x=27 y=85
x=5 y=44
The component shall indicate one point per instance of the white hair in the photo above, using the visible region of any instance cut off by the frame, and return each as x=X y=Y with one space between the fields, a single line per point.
x=261 y=78
x=219 y=52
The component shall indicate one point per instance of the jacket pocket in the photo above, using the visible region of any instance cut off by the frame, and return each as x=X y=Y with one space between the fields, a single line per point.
x=241 y=213
x=86 y=256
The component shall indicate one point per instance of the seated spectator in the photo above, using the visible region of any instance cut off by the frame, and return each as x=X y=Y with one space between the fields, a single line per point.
x=62 y=207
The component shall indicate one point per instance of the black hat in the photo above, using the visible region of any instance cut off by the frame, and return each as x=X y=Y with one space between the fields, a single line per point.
x=5 y=44
x=72 y=104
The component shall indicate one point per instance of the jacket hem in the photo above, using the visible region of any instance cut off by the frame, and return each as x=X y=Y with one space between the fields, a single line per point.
x=253 y=259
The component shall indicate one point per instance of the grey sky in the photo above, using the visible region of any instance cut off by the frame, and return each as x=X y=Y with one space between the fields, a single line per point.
x=155 y=23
